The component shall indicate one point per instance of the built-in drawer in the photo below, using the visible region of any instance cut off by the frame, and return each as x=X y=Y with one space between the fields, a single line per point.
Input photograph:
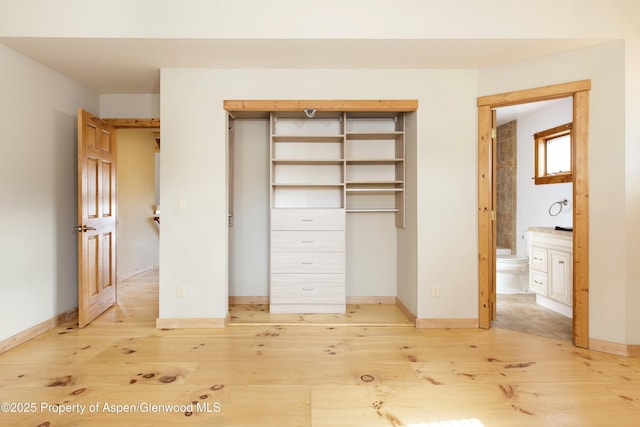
x=307 y=241
x=538 y=282
x=307 y=289
x=538 y=258
x=307 y=219
x=307 y=262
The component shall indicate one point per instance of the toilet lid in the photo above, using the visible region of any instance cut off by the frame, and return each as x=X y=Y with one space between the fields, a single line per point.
x=513 y=259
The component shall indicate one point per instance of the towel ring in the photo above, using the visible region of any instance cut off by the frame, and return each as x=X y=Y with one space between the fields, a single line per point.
x=560 y=204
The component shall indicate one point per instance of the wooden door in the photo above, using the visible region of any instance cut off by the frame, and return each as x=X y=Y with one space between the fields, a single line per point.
x=96 y=217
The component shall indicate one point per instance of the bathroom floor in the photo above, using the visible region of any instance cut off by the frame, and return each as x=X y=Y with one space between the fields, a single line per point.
x=519 y=312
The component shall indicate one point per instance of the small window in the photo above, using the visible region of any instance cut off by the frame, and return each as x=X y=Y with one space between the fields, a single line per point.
x=553 y=155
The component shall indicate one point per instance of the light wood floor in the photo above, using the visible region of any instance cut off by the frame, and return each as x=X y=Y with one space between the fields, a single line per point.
x=356 y=315
x=306 y=375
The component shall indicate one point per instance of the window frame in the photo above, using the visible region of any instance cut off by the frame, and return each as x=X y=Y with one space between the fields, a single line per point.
x=540 y=139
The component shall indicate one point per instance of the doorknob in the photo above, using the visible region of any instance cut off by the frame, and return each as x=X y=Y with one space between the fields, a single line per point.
x=83 y=228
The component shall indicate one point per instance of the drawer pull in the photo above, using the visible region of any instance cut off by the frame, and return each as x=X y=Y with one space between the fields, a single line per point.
x=307 y=289
x=307 y=219
x=560 y=262
x=307 y=241
x=537 y=259
x=307 y=262
x=537 y=283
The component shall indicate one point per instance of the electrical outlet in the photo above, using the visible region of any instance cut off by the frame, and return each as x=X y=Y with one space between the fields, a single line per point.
x=181 y=291
x=435 y=291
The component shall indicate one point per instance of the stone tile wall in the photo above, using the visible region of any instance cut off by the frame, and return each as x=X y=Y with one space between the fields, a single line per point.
x=506 y=185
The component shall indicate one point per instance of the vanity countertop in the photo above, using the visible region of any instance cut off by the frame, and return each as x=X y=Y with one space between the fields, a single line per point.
x=551 y=230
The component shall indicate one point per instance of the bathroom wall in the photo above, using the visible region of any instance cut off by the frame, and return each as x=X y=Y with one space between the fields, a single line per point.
x=533 y=201
x=507 y=166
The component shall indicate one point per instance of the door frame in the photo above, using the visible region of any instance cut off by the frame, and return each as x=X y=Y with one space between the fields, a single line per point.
x=579 y=91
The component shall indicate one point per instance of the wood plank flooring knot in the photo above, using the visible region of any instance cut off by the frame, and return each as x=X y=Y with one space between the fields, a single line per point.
x=63 y=381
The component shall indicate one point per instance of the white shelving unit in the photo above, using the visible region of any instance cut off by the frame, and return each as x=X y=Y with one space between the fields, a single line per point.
x=322 y=168
x=374 y=159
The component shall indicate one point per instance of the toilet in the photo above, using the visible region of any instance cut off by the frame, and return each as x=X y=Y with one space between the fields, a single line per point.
x=512 y=272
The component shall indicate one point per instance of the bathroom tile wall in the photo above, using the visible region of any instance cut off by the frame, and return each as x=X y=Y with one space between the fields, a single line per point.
x=506 y=160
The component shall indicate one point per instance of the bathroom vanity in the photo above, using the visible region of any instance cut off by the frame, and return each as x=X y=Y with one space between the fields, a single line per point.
x=551 y=268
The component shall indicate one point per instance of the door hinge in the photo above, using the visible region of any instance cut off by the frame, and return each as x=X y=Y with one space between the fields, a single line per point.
x=495 y=298
x=493 y=215
x=494 y=133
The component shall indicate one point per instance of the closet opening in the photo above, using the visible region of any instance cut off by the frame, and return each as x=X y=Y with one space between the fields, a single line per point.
x=317 y=209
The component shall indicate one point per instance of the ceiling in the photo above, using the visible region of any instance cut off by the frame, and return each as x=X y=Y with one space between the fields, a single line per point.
x=133 y=65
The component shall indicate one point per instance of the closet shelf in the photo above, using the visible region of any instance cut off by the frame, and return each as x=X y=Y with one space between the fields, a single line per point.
x=308 y=161
x=374 y=182
x=307 y=138
x=307 y=184
x=374 y=190
x=364 y=210
x=374 y=161
x=374 y=135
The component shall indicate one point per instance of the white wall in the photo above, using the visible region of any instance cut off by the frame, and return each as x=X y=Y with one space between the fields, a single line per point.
x=632 y=187
x=130 y=106
x=249 y=236
x=137 y=233
x=533 y=201
x=193 y=242
x=604 y=65
x=447 y=193
x=371 y=254
x=38 y=247
x=407 y=282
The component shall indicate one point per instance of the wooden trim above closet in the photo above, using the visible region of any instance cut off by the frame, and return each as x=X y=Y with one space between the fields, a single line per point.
x=288 y=105
x=133 y=123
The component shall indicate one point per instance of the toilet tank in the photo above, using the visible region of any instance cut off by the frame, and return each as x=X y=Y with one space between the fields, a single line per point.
x=503 y=251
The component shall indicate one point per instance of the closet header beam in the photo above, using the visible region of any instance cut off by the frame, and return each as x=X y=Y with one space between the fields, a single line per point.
x=290 y=105
x=133 y=123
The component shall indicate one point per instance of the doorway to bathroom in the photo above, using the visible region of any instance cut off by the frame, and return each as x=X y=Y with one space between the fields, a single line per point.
x=578 y=92
x=525 y=206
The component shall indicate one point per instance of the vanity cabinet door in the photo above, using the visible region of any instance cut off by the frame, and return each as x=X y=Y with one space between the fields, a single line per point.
x=560 y=277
